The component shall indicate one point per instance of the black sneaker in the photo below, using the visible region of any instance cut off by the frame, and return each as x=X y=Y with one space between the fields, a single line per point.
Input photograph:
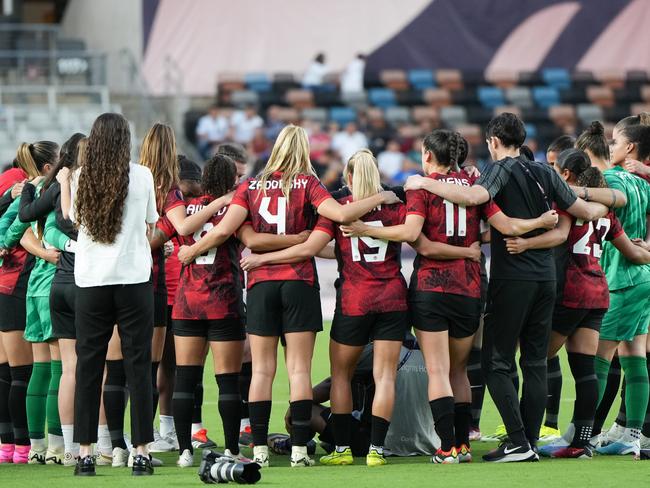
x=85 y=466
x=208 y=459
x=142 y=466
x=511 y=453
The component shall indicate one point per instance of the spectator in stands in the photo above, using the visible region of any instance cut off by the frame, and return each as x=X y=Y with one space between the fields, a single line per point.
x=260 y=146
x=315 y=72
x=244 y=124
x=379 y=133
x=352 y=77
x=557 y=146
x=391 y=161
x=329 y=169
x=349 y=141
x=273 y=123
x=211 y=130
x=319 y=140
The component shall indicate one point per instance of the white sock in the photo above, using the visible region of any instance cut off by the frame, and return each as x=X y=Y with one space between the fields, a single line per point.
x=38 y=444
x=166 y=425
x=68 y=440
x=299 y=450
x=342 y=448
x=196 y=427
x=54 y=441
x=104 y=439
x=243 y=423
x=631 y=435
x=379 y=449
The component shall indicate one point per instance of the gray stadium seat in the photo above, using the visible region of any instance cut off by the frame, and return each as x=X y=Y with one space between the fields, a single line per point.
x=519 y=96
x=397 y=115
x=587 y=113
x=454 y=115
x=241 y=98
x=357 y=100
x=315 y=114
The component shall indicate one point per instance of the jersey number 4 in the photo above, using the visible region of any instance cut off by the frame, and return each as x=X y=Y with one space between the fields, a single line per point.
x=211 y=255
x=582 y=246
x=279 y=219
x=379 y=244
x=449 y=219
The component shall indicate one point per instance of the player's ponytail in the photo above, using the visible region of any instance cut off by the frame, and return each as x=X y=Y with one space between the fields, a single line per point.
x=593 y=140
x=642 y=119
x=362 y=169
x=32 y=158
x=448 y=147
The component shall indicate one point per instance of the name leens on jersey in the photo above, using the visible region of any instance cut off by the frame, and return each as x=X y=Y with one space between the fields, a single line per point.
x=456 y=181
x=296 y=184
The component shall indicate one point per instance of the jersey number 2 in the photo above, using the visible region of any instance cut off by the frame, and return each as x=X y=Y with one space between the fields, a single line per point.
x=582 y=246
x=279 y=219
x=449 y=219
x=211 y=255
x=380 y=244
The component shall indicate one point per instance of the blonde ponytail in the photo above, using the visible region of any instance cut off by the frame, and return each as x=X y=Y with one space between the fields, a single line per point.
x=644 y=118
x=26 y=161
x=363 y=170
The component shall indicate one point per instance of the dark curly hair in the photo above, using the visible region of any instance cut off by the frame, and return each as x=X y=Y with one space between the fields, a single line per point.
x=67 y=158
x=219 y=175
x=449 y=147
x=104 y=178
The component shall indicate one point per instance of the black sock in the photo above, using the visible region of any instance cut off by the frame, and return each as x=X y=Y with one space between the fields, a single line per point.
x=230 y=408
x=115 y=401
x=17 y=407
x=154 y=385
x=462 y=421
x=646 y=422
x=245 y=385
x=260 y=415
x=301 y=432
x=611 y=390
x=475 y=376
x=342 y=427
x=584 y=407
x=442 y=410
x=554 y=380
x=379 y=429
x=197 y=413
x=187 y=377
x=621 y=417
x=6 y=427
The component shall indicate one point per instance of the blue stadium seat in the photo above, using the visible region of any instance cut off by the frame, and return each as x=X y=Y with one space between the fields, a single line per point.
x=557 y=78
x=258 y=82
x=546 y=96
x=531 y=131
x=343 y=115
x=382 y=97
x=491 y=96
x=421 y=79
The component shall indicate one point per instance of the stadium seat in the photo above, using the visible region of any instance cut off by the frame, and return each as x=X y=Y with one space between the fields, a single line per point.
x=557 y=78
x=628 y=94
x=288 y=114
x=395 y=79
x=300 y=98
x=563 y=115
x=397 y=115
x=636 y=77
x=424 y=113
x=601 y=95
x=437 y=97
x=503 y=79
x=283 y=81
x=546 y=96
x=317 y=114
x=582 y=78
x=421 y=79
x=382 y=97
x=530 y=78
x=611 y=78
x=519 y=96
x=587 y=113
x=342 y=115
x=357 y=100
x=241 y=98
x=63 y=44
x=616 y=113
x=490 y=96
x=513 y=109
x=258 y=82
x=645 y=93
x=451 y=79
x=453 y=116
x=575 y=94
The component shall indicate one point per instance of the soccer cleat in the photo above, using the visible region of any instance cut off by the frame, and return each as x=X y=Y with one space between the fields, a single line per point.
x=172 y=440
x=69 y=459
x=240 y=458
x=104 y=459
x=142 y=466
x=36 y=457
x=614 y=433
x=645 y=442
x=159 y=444
x=573 y=453
x=338 y=458
x=261 y=456
x=474 y=434
x=619 y=448
x=200 y=440
x=375 y=458
x=510 y=453
x=85 y=466
x=21 y=454
x=549 y=434
x=499 y=435
x=442 y=457
x=548 y=449
x=7 y=453
x=120 y=457
x=246 y=437
x=464 y=454
x=279 y=443
x=300 y=458
x=185 y=460
x=55 y=456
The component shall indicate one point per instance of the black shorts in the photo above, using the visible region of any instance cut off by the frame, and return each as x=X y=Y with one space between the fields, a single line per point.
x=160 y=309
x=437 y=312
x=63 y=297
x=361 y=330
x=275 y=308
x=216 y=330
x=566 y=320
x=12 y=312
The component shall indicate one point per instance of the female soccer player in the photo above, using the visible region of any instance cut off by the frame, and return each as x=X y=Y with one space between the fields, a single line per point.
x=283 y=299
x=371 y=306
x=444 y=294
x=582 y=298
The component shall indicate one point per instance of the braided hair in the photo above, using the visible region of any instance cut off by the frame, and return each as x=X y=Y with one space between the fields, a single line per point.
x=449 y=147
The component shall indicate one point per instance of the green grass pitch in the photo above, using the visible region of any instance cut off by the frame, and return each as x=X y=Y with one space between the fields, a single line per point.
x=405 y=472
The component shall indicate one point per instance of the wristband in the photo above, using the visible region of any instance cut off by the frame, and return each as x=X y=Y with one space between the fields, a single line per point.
x=586 y=193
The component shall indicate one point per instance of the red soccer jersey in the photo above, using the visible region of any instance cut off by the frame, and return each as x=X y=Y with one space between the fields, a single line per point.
x=370 y=274
x=450 y=224
x=585 y=285
x=270 y=212
x=174 y=199
x=14 y=271
x=172 y=272
x=211 y=287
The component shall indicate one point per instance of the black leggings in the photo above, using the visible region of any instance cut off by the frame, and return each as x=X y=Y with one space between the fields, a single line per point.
x=98 y=309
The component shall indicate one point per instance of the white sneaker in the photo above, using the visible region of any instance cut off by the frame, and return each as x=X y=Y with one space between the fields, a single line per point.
x=237 y=457
x=261 y=456
x=614 y=433
x=185 y=460
x=36 y=456
x=300 y=458
x=645 y=442
x=155 y=462
x=120 y=457
x=54 y=456
x=69 y=459
x=159 y=444
x=103 y=458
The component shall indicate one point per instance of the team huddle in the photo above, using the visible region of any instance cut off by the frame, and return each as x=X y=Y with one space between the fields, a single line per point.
x=109 y=267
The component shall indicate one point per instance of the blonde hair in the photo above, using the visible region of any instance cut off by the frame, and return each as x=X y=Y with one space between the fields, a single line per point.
x=82 y=146
x=158 y=153
x=362 y=169
x=290 y=155
x=25 y=160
